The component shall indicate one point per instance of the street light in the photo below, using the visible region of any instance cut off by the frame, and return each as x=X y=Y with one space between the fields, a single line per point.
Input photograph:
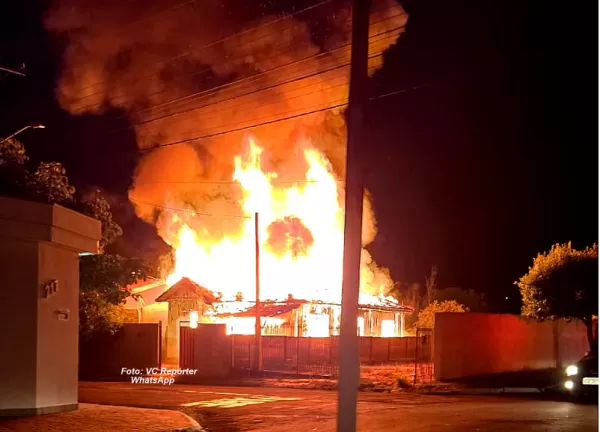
x=37 y=126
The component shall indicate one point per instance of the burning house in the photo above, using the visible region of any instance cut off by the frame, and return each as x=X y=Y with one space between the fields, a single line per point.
x=186 y=304
x=302 y=318
x=240 y=115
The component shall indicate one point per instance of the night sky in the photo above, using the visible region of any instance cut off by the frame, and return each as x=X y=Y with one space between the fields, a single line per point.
x=489 y=160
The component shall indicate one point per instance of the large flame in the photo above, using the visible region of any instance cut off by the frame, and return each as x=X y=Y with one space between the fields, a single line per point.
x=300 y=231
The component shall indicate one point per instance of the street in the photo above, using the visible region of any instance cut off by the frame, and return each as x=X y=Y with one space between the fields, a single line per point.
x=233 y=409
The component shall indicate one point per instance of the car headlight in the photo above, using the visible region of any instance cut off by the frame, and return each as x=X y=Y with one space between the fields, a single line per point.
x=569 y=385
x=572 y=370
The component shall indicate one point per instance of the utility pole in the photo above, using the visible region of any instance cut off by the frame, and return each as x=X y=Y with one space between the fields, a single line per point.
x=349 y=371
x=257 y=323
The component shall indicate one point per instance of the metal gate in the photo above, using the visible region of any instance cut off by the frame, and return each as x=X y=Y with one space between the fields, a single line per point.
x=424 y=356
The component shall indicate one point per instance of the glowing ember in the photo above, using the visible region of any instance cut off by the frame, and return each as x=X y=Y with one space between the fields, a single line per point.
x=245 y=325
x=300 y=233
x=194 y=319
x=388 y=328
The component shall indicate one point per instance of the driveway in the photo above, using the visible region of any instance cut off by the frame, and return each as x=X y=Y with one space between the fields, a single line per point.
x=232 y=409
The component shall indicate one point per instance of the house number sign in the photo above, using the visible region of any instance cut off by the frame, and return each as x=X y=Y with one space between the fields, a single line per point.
x=50 y=288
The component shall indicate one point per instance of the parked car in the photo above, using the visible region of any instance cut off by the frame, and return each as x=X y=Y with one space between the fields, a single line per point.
x=582 y=377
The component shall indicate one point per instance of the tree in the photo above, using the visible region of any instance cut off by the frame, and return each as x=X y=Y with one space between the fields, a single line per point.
x=430 y=285
x=51 y=184
x=470 y=298
x=408 y=295
x=426 y=317
x=103 y=282
x=12 y=152
x=563 y=283
x=98 y=208
x=103 y=278
x=13 y=173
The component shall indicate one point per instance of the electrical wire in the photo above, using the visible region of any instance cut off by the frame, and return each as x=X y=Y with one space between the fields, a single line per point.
x=234 y=35
x=254 y=101
x=396 y=92
x=214 y=91
x=207 y=69
x=194 y=213
x=217 y=89
x=231 y=183
x=263 y=105
x=336 y=104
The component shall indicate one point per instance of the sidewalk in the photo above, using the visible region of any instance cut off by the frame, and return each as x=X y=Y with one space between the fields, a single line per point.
x=102 y=418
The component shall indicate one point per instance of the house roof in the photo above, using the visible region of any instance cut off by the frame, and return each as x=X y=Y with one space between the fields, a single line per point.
x=270 y=309
x=187 y=289
x=387 y=308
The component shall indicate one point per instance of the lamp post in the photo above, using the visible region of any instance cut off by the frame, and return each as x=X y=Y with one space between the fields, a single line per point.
x=38 y=126
x=12 y=71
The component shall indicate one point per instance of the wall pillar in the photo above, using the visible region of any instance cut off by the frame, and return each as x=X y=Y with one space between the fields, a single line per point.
x=39 y=294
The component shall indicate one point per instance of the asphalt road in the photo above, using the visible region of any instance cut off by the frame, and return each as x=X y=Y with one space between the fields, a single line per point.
x=233 y=409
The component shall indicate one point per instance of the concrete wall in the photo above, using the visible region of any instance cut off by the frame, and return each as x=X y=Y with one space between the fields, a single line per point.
x=472 y=344
x=39 y=245
x=18 y=324
x=57 y=336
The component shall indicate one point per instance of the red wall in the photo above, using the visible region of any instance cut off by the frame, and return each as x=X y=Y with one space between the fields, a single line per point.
x=471 y=344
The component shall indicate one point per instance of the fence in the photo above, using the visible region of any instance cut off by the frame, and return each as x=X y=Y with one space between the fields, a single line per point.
x=304 y=355
x=424 y=356
x=318 y=356
x=132 y=346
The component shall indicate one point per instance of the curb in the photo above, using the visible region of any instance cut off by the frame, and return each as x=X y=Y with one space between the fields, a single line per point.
x=489 y=391
x=194 y=425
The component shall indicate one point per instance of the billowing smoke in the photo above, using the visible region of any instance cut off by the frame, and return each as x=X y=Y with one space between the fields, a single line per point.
x=186 y=72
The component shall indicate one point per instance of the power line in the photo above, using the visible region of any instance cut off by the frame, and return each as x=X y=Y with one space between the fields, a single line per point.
x=209 y=68
x=392 y=93
x=213 y=91
x=337 y=104
x=253 y=92
x=194 y=213
x=160 y=12
x=246 y=104
x=231 y=183
x=234 y=35
x=286 y=100
x=255 y=101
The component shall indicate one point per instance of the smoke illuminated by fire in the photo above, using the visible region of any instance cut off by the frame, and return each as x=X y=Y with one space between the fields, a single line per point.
x=179 y=73
x=301 y=231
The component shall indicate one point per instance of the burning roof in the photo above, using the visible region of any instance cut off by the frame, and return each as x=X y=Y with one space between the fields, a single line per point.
x=187 y=289
x=273 y=309
x=269 y=309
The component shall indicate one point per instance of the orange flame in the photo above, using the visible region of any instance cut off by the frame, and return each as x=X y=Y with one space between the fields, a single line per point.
x=301 y=232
